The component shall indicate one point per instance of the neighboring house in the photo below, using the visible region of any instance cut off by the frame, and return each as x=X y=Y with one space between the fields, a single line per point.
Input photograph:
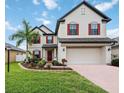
x=115 y=49
x=80 y=37
x=13 y=52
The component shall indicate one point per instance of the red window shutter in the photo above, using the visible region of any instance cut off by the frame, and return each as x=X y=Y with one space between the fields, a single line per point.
x=68 y=29
x=77 y=28
x=39 y=54
x=52 y=38
x=46 y=39
x=98 y=29
x=89 y=29
x=39 y=39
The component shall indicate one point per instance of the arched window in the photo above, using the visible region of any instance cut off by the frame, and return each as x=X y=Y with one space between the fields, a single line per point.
x=94 y=28
x=73 y=28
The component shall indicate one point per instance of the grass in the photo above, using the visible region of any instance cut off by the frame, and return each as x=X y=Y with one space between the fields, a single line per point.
x=22 y=81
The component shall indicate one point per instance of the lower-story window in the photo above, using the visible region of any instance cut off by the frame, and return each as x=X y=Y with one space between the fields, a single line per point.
x=36 y=53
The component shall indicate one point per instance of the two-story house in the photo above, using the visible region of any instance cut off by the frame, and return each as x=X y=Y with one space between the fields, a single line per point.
x=80 y=37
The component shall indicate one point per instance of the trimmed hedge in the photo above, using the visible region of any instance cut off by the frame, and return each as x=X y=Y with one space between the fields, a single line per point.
x=115 y=62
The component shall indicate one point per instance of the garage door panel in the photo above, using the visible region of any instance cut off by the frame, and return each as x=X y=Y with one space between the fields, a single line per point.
x=83 y=55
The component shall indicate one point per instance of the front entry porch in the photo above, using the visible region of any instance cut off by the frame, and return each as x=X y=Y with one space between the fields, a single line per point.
x=49 y=53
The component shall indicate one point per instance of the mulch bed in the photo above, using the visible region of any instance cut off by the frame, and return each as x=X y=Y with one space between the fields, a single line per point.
x=35 y=66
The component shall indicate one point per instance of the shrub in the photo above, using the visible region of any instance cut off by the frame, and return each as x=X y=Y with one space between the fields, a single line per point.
x=115 y=62
x=42 y=63
x=55 y=63
x=36 y=60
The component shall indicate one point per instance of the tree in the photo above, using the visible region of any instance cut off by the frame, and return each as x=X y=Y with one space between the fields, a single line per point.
x=25 y=35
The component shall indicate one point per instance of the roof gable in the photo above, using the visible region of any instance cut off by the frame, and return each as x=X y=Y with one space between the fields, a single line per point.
x=89 y=6
x=38 y=29
x=46 y=29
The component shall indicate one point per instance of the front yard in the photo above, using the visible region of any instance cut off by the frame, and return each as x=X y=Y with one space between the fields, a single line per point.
x=22 y=81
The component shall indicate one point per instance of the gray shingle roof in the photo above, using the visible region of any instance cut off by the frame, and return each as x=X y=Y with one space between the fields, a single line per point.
x=86 y=40
x=12 y=47
x=49 y=46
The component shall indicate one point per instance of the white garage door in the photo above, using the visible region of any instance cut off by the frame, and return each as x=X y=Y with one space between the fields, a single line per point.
x=84 y=55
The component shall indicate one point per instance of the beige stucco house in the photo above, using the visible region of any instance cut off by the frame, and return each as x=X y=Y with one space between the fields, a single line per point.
x=79 y=37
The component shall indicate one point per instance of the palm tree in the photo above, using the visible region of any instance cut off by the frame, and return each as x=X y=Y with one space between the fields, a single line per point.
x=25 y=35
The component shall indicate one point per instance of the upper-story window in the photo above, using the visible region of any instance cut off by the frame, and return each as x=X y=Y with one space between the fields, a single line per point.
x=94 y=28
x=49 y=39
x=36 y=40
x=73 y=29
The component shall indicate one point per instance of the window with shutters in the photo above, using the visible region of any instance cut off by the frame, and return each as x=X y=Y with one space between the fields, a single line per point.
x=94 y=28
x=37 y=53
x=49 y=39
x=73 y=29
x=36 y=40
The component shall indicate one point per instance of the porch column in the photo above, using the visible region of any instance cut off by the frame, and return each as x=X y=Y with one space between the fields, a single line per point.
x=55 y=54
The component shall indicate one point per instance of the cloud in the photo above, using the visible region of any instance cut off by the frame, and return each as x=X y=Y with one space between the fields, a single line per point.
x=44 y=13
x=9 y=26
x=106 y=5
x=44 y=21
x=36 y=2
x=112 y=33
x=50 y=4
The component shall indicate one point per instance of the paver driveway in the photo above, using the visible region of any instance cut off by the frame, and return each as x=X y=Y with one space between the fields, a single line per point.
x=104 y=76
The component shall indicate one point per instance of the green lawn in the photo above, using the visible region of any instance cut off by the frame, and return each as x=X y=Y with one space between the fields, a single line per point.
x=21 y=81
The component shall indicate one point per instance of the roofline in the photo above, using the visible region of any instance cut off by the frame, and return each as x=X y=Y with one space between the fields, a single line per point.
x=46 y=27
x=106 y=18
x=17 y=49
x=50 y=34
x=38 y=28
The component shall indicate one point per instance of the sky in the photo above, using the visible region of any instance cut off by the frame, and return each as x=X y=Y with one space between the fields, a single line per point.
x=38 y=12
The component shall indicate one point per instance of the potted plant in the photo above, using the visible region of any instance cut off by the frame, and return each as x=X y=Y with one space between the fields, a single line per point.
x=64 y=61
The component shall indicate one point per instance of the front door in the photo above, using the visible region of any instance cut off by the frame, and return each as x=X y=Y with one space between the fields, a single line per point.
x=49 y=55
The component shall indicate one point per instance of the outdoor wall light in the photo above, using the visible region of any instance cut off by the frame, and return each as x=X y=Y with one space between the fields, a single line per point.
x=109 y=49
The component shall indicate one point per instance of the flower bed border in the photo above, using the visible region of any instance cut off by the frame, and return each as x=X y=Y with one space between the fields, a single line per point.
x=30 y=69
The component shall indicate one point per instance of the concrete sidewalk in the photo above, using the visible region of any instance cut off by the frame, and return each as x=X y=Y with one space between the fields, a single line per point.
x=107 y=77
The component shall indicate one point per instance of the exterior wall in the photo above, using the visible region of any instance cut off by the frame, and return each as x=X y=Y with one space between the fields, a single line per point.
x=106 y=54
x=12 y=55
x=83 y=21
x=115 y=52
x=61 y=53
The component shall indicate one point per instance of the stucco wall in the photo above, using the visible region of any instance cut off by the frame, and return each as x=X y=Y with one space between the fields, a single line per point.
x=115 y=52
x=83 y=21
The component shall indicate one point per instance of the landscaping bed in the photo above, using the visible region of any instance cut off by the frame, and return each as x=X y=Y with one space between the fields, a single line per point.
x=36 y=66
